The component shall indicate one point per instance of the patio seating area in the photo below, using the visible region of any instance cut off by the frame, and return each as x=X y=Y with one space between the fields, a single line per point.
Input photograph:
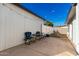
x=29 y=37
x=26 y=34
x=49 y=46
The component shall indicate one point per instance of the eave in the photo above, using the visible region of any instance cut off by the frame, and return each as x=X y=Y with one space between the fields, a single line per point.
x=71 y=14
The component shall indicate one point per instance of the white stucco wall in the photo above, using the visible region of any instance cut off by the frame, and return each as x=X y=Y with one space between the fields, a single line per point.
x=13 y=23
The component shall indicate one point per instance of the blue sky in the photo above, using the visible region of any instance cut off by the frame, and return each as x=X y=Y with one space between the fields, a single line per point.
x=53 y=12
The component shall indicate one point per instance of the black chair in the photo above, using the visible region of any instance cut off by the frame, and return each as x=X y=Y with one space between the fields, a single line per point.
x=28 y=37
x=38 y=35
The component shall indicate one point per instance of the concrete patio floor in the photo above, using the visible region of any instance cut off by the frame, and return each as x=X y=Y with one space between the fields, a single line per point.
x=49 y=46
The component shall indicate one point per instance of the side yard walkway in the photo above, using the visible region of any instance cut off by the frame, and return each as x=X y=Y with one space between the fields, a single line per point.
x=50 y=46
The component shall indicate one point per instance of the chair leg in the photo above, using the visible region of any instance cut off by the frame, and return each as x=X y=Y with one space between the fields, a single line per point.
x=28 y=42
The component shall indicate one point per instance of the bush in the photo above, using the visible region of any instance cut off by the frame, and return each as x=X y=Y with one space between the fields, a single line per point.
x=49 y=23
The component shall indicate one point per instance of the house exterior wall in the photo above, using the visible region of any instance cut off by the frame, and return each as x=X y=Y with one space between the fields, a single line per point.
x=73 y=33
x=13 y=23
x=70 y=32
x=77 y=28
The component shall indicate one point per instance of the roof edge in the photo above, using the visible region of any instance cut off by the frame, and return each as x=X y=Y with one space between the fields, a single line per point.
x=68 y=21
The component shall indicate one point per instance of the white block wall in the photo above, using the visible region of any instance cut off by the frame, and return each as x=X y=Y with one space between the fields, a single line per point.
x=62 y=30
x=47 y=29
x=13 y=23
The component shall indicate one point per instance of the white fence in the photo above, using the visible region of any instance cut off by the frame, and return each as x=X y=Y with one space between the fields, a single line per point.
x=47 y=29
